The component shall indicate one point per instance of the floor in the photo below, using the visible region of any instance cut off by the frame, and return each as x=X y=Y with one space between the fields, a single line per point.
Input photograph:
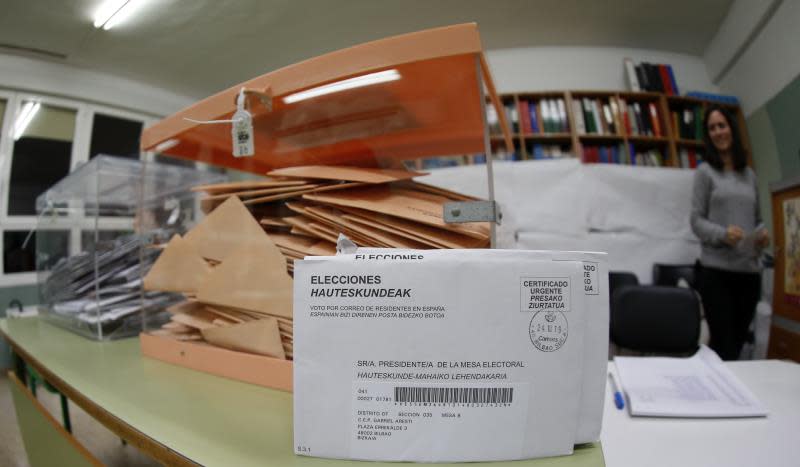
x=102 y=443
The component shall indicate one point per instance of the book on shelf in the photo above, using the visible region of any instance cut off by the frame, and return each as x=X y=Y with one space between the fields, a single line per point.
x=547 y=119
x=598 y=118
x=535 y=117
x=630 y=74
x=654 y=77
x=688 y=158
x=563 y=126
x=654 y=120
x=512 y=115
x=548 y=151
x=720 y=98
x=620 y=154
x=577 y=113
x=608 y=119
x=525 y=117
x=687 y=123
x=492 y=120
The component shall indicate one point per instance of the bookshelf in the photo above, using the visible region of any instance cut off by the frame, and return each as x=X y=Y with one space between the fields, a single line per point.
x=636 y=128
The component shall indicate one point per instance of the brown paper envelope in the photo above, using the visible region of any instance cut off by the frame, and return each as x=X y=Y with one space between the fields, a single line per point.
x=424 y=187
x=425 y=208
x=261 y=192
x=305 y=226
x=273 y=221
x=194 y=321
x=350 y=174
x=308 y=246
x=413 y=236
x=179 y=268
x=246 y=185
x=185 y=307
x=224 y=229
x=227 y=316
x=259 y=337
x=380 y=236
x=439 y=238
x=298 y=193
x=253 y=277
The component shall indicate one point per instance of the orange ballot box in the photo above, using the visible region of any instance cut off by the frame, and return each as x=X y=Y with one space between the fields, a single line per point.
x=333 y=141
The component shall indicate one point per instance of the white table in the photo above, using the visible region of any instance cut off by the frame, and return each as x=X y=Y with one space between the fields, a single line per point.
x=761 y=442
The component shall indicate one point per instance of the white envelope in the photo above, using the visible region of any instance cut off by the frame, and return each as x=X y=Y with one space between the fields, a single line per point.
x=595 y=352
x=437 y=355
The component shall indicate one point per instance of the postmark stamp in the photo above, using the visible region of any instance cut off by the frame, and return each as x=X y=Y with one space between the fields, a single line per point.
x=548 y=330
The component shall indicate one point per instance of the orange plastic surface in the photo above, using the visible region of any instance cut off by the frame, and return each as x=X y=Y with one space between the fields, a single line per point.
x=434 y=108
x=250 y=368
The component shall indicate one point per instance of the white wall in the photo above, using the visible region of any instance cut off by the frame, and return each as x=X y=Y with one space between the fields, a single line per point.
x=770 y=62
x=742 y=21
x=587 y=68
x=21 y=73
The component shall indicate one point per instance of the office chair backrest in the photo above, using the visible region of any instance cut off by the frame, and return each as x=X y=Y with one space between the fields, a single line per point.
x=619 y=279
x=655 y=319
x=670 y=274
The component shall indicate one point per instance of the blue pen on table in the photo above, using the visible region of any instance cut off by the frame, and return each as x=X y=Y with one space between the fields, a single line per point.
x=619 y=401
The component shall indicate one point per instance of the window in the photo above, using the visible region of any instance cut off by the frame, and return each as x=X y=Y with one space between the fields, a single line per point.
x=61 y=134
x=19 y=256
x=42 y=154
x=115 y=136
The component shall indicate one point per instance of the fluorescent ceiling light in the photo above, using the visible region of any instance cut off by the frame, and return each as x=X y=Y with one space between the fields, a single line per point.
x=357 y=82
x=25 y=117
x=114 y=12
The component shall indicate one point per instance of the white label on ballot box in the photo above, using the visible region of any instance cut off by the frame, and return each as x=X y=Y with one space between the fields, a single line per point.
x=478 y=417
x=491 y=341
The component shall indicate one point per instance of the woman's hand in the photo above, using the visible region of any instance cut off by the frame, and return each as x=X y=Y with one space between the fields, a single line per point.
x=733 y=235
x=762 y=238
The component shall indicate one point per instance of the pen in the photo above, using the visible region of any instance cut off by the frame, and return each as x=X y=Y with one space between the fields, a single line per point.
x=619 y=401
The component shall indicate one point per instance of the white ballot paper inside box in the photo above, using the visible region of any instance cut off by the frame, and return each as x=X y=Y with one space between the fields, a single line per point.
x=448 y=355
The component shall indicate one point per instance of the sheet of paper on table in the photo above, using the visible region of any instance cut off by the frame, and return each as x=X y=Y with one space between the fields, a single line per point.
x=698 y=386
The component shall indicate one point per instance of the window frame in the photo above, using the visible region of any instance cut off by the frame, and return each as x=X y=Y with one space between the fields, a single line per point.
x=81 y=143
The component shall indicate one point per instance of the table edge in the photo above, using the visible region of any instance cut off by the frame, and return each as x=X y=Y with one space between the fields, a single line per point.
x=148 y=445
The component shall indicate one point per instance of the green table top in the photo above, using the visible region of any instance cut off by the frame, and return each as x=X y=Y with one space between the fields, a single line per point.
x=208 y=419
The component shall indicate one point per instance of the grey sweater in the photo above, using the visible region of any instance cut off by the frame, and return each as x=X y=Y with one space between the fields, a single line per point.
x=720 y=199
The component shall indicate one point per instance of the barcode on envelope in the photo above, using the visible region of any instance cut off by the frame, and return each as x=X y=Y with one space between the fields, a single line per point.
x=417 y=395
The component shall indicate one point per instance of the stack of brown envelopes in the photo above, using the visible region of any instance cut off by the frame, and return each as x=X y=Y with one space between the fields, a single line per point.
x=238 y=293
x=304 y=209
x=234 y=270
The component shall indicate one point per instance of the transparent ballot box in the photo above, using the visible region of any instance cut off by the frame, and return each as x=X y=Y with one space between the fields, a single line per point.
x=92 y=230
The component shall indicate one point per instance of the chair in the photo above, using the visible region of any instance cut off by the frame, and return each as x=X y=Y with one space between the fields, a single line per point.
x=670 y=274
x=656 y=319
x=619 y=279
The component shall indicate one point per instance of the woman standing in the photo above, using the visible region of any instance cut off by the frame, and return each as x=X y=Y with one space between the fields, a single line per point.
x=726 y=218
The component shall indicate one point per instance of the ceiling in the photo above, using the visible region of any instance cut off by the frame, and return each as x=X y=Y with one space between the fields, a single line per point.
x=198 y=47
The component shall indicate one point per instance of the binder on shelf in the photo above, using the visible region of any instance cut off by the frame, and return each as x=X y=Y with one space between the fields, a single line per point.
x=591 y=127
x=666 y=84
x=534 y=116
x=630 y=74
x=577 y=112
x=641 y=75
x=672 y=81
x=524 y=116
x=654 y=119
x=608 y=119
x=562 y=115
x=598 y=116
